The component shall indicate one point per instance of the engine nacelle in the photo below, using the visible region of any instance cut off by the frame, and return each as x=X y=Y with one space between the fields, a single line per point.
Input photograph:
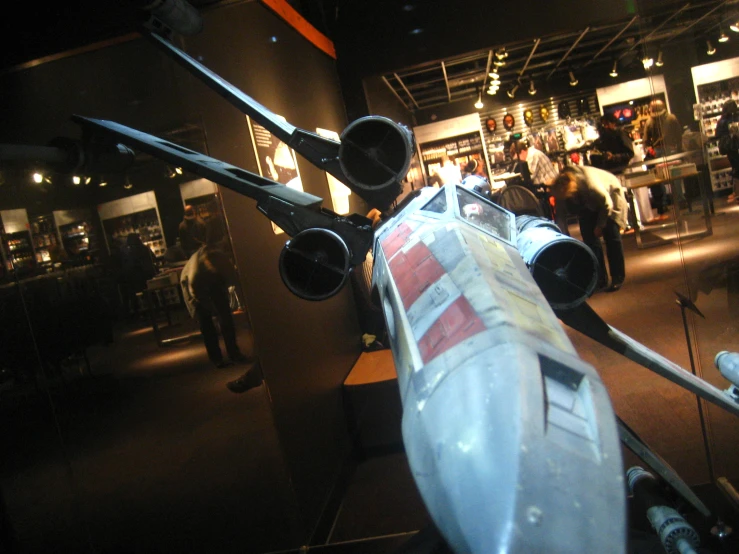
x=375 y=154
x=565 y=269
x=315 y=264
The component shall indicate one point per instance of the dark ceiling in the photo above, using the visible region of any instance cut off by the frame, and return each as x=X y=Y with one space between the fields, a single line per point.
x=555 y=59
x=429 y=52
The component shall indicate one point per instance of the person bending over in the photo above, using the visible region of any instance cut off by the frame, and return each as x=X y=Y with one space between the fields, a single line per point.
x=597 y=197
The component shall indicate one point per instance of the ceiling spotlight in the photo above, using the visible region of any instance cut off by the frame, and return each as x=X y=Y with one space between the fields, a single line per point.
x=37 y=177
x=723 y=37
x=76 y=179
x=87 y=180
x=659 y=62
x=573 y=81
x=501 y=54
x=47 y=179
x=494 y=75
x=492 y=91
x=103 y=184
x=532 y=89
x=647 y=62
x=710 y=50
x=734 y=27
x=512 y=92
x=495 y=82
x=614 y=71
x=479 y=105
x=499 y=63
x=178 y=170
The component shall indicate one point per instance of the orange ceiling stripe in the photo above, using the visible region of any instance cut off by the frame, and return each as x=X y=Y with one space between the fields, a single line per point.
x=301 y=25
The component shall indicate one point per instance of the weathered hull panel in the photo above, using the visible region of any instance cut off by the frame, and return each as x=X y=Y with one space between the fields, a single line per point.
x=510 y=437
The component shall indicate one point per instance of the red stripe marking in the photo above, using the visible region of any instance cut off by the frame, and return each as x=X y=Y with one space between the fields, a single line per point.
x=458 y=322
x=414 y=271
x=395 y=240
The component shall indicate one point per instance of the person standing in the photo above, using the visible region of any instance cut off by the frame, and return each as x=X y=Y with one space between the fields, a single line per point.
x=205 y=280
x=540 y=167
x=598 y=199
x=192 y=231
x=614 y=144
x=137 y=266
x=663 y=136
x=728 y=142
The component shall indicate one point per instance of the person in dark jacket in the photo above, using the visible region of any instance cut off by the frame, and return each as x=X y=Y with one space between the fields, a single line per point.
x=728 y=141
x=137 y=266
x=192 y=231
x=614 y=145
x=205 y=280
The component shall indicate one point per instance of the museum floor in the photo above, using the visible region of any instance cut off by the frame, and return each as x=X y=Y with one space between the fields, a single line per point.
x=164 y=458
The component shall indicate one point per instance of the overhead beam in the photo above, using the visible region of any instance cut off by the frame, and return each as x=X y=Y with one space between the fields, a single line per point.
x=705 y=15
x=523 y=69
x=665 y=22
x=402 y=84
x=446 y=82
x=574 y=45
x=395 y=92
x=614 y=39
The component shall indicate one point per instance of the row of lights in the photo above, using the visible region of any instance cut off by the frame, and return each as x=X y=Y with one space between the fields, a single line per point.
x=723 y=37
x=39 y=178
x=76 y=180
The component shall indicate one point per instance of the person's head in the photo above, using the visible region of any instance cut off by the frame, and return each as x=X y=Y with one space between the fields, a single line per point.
x=133 y=239
x=445 y=160
x=566 y=186
x=471 y=167
x=729 y=108
x=190 y=212
x=608 y=121
x=521 y=147
x=657 y=107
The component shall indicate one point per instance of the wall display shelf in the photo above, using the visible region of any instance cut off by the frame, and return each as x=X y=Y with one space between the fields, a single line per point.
x=715 y=84
x=134 y=214
x=46 y=240
x=17 y=244
x=77 y=234
x=546 y=129
x=460 y=138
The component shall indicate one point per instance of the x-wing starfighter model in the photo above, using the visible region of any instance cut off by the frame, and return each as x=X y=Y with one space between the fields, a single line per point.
x=510 y=436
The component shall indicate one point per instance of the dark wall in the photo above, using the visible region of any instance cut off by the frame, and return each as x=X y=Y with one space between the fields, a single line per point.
x=306 y=349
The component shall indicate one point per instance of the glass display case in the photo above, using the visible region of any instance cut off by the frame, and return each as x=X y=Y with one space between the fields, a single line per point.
x=134 y=214
x=79 y=240
x=45 y=240
x=17 y=243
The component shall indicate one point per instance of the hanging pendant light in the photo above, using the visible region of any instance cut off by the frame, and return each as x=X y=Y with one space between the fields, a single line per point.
x=512 y=92
x=659 y=62
x=532 y=89
x=710 y=50
x=573 y=80
x=723 y=37
x=614 y=71
x=479 y=105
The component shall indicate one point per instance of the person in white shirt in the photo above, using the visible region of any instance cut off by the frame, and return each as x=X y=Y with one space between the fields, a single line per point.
x=541 y=168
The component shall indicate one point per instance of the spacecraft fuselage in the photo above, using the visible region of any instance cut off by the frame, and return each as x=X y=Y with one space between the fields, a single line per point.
x=510 y=437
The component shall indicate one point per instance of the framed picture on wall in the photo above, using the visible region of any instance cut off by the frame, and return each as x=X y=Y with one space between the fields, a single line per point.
x=275 y=159
x=339 y=191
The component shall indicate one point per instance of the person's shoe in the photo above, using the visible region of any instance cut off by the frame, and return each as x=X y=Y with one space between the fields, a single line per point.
x=224 y=363
x=249 y=380
x=614 y=287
